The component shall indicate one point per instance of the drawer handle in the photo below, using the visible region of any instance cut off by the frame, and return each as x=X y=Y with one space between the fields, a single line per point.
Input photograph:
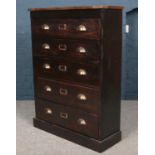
x=62 y=27
x=46 y=46
x=63 y=91
x=45 y=27
x=81 y=72
x=48 y=88
x=81 y=28
x=62 y=47
x=62 y=68
x=63 y=115
x=48 y=111
x=82 y=97
x=81 y=121
x=46 y=66
x=81 y=49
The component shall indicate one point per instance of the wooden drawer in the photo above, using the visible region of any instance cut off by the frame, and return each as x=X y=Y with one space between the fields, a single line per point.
x=67 y=70
x=67 y=117
x=76 y=96
x=86 y=50
x=70 y=28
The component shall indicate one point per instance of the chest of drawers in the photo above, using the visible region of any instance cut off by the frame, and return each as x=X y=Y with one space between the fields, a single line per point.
x=77 y=73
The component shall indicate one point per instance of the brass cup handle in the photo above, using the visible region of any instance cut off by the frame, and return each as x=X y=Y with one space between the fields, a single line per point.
x=62 y=27
x=62 y=68
x=48 y=111
x=63 y=91
x=62 y=47
x=48 y=88
x=81 y=121
x=46 y=66
x=81 y=72
x=82 y=97
x=63 y=115
x=46 y=46
x=81 y=28
x=81 y=49
x=45 y=27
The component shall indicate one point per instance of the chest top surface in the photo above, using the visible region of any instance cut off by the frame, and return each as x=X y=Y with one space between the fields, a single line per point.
x=94 y=7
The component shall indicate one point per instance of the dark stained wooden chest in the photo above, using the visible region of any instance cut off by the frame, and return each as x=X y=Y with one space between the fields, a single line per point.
x=77 y=73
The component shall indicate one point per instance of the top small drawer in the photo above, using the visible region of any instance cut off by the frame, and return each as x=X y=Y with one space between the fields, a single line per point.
x=62 y=28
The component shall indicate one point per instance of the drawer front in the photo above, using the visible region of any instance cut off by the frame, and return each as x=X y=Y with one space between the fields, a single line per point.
x=80 y=97
x=78 y=49
x=70 y=118
x=66 y=70
x=73 y=28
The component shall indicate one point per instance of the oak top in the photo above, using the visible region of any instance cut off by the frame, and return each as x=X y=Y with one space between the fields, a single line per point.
x=77 y=8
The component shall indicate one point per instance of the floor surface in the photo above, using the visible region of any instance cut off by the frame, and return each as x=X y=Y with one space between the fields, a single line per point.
x=33 y=141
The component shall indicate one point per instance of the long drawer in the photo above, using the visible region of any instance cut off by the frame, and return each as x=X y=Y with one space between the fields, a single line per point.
x=67 y=70
x=84 y=98
x=70 y=118
x=86 y=50
x=70 y=28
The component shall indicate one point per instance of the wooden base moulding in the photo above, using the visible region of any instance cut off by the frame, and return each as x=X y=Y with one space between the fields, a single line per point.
x=80 y=139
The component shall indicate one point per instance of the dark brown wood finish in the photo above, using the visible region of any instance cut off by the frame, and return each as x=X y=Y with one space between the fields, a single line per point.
x=68 y=117
x=77 y=74
x=62 y=69
x=66 y=28
x=71 y=49
x=89 y=142
x=78 y=8
x=111 y=73
x=69 y=94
